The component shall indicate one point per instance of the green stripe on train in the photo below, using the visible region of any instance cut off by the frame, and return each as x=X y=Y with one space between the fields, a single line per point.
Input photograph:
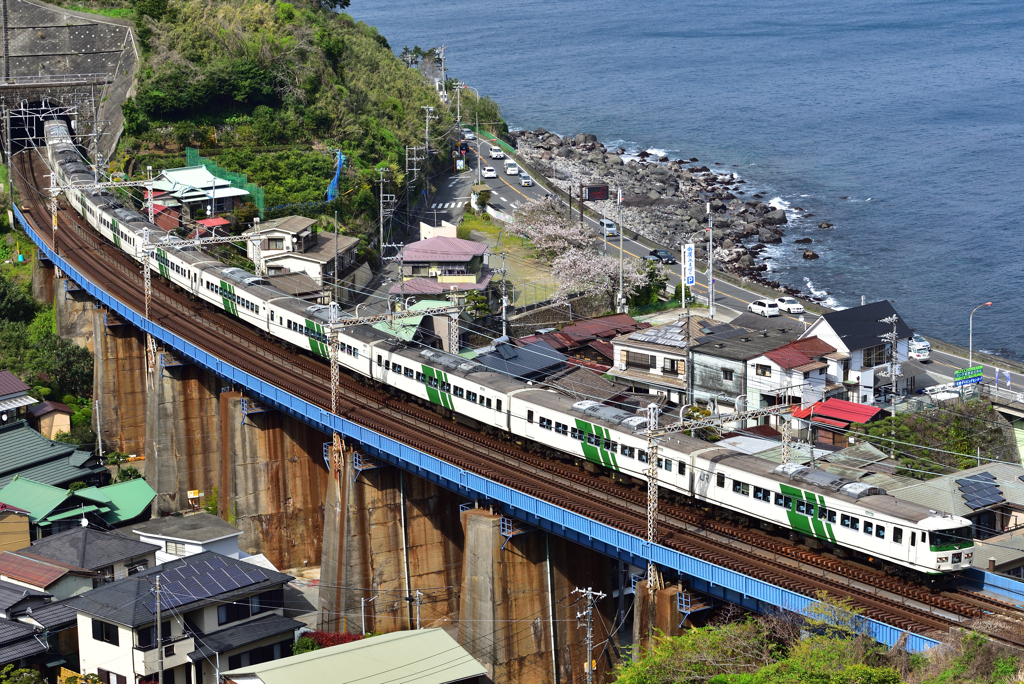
x=315 y=345
x=227 y=291
x=810 y=525
x=592 y=452
x=434 y=394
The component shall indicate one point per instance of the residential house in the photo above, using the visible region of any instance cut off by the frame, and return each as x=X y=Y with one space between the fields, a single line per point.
x=166 y=217
x=427 y=231
x=112 y=556
x=829 y=421
x=291 y=245
x=14 y=528
x=50 y=417
x=178 y=536
x=794 y=373
x=589 y=340
x=860 y=361
x=424 y=656
x=191 y=189
x=13 y=397
x=58 y=579
x=25 y=452
x=655 y=359
x=427 y=330
x=56 y=623
x=215 y=610
x=54 y=509
x=438 y=266
x=721 y=368
x=16 y=600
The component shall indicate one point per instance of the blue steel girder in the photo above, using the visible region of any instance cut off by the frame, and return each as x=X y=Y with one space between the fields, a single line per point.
x=577 y=528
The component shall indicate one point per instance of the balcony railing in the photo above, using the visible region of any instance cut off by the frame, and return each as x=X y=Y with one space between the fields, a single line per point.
x=176 y=650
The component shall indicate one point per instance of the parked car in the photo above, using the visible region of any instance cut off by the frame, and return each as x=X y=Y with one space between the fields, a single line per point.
x=919 y=348
x=764 y=307
x=664 y=256
x=790 y=305
x=608 y=227
x=489 y=172
x=525 y=180
x=496 y=152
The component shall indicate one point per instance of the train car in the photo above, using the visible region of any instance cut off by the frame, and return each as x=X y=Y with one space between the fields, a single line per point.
x=845 y=516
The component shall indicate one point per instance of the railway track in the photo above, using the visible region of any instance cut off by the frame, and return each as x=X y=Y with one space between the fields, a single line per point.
x=683 y=528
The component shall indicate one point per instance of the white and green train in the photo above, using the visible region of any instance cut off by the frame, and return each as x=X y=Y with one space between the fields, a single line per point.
x=848 y=517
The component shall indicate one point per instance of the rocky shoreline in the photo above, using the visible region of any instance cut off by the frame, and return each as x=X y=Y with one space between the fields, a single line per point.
x=666 y=201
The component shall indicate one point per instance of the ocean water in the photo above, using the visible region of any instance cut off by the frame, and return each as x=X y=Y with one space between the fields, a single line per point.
x=900 y=123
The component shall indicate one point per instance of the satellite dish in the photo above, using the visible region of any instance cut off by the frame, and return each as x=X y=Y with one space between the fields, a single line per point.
x=84 y=523
x=3 y=416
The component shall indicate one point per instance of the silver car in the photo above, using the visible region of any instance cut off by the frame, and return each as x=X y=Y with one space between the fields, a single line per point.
x=525 y=180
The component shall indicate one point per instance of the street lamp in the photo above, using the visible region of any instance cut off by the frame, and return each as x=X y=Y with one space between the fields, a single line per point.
x=970 y=349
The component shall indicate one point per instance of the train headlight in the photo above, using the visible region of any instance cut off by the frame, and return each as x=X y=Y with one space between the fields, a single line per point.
x=968 y=555
x=942 y=559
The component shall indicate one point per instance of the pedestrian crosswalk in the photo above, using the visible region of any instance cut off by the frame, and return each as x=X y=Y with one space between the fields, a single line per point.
x=447 y=205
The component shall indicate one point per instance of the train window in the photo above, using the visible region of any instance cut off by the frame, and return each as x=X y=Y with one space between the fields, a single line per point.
x=544 y=423
x=628 y=451
x=745 y=490
x=611 y=446
x=497 y=404
x=471 y=396
x=869 y=528
x=736 y=485
x=845 y=521
x=831 y=517
x=561 y=428
x=759 y=493
x=395 y=367
x=257 y=310
x=420 y=377
x=880 y=531
x=721 y=479
x=409 y=373
x=387 y=365
x=458 y=391
x=924 y=537
x=913 y=538
x=529 y=416
x=446 y=387
x=595 y=441
x=855 y=524
x=804 y=507
x=641 y=456
x=897 y=535
x=379 y=360
x=576 y=434
x=355 y=353
x=432 y=382
x=482 y=400
x=778 y=499
x=488 y=403
x=682 y=468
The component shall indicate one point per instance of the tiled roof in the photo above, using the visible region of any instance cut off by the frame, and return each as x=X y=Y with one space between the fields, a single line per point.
x=442 y=249
x=89 y=548
x=799 y=353
x=17 y=641
x=430 y=286
x=44 y=407
x=11 y=384
x=37 y=572
x=861 y=326
x=290 y=224
x=12 y=594
x=603 y=327
x=55 y=615
x=26 y=452
x=125 y=601
x=201 y=527
x=244 y=634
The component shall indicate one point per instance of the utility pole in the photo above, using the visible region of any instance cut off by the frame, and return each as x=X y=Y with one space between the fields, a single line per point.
x=159 y=637
x=622 y=293
x=99 y=431
x=652 y=503
x=586 y=618
x=428 y=113
x=711 y=259
x=444 y=78
x=893 y=372
x=385 y=199
x=336 y=270
x=504 y=296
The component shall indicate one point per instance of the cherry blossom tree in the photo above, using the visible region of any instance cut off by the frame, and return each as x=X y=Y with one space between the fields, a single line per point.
x=549 y=231
x=582 y=270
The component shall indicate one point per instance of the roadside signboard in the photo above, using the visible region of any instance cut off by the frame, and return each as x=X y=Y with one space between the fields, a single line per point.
x=593 y=193
x=968 y=376
x=689 y=271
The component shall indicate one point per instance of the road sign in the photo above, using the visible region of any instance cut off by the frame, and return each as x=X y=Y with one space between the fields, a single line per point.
x=967 y=373
x=593 y=193
x=968 y=381
x=689 y=275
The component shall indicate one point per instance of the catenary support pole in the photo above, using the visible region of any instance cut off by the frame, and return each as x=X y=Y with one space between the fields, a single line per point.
x=159 y=637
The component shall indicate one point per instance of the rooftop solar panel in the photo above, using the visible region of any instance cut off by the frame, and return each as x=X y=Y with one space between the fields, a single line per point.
x=984 y=476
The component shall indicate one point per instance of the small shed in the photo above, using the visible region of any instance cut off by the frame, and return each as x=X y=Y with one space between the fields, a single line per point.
x=50 y=417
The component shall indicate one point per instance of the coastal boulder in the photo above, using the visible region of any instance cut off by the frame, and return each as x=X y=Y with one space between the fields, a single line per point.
x=746 y=261
x=768 y=236
x=584 y=138
x=776 y=218
x=614 y=160
x=564 y=152
x=824 y=224
x=809 y=254
x=698 y=212
x=803 y=241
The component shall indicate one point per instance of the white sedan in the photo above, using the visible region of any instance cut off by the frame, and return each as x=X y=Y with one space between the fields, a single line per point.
x=489 y=172
x=764 y=307
x=790 y=305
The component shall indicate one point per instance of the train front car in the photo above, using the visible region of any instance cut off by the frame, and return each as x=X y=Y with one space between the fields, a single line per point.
x=947 y=545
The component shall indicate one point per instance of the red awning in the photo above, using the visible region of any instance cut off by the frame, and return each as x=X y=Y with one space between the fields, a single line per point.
x=839 y=409
x=214 y=222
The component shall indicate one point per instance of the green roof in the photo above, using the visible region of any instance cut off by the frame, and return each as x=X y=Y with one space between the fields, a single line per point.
x=125 y=500
x=405 y=328
x=35 y=497
x=426 y=656
x=25 y=452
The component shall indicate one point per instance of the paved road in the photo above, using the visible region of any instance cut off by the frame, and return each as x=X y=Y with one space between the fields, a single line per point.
x=453 y=194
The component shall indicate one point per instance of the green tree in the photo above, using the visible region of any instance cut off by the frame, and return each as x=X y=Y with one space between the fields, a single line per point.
x=304 y=645
x=128 y=473
x=16 y=303
x=477 y=304
x=75 y=486
x=68 y=366
x=10 y=675
x=654 y=278
x=211 y=503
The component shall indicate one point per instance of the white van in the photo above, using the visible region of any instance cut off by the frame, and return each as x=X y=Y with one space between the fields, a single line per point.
x=496 y=152
x=511 y=168
x=609 y=228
